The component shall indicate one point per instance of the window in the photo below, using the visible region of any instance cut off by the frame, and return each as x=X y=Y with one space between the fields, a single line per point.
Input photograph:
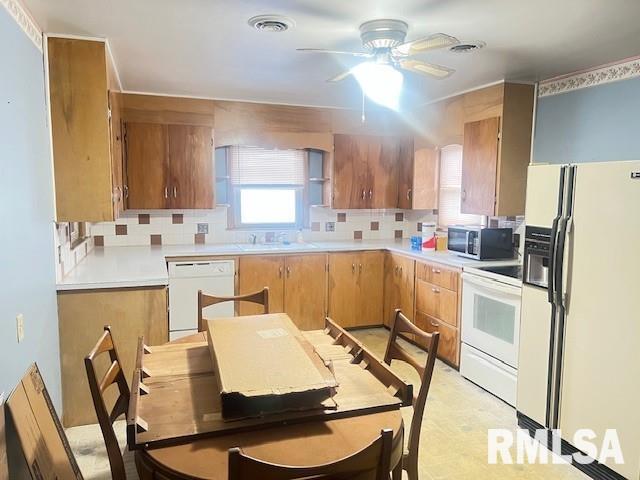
x=267 y=186
x=451 y=189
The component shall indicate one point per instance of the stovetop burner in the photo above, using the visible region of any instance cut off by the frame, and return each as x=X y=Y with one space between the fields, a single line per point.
x=513 y=271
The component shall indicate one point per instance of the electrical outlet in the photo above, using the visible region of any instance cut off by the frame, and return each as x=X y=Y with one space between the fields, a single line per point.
x=20 y=327
x=203 y=228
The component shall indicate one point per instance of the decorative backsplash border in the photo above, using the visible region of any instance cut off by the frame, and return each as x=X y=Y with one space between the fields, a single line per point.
x=24 y=19
x=188 y=227
x=622 y=70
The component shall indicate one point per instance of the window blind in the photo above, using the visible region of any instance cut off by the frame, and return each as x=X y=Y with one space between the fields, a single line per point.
x=262 y=166
x=451 y=189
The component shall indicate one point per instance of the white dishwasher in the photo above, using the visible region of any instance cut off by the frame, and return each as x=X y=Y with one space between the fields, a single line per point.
x=214 y=277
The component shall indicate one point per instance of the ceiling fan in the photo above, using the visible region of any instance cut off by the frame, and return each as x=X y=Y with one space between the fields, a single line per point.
x=384 y=44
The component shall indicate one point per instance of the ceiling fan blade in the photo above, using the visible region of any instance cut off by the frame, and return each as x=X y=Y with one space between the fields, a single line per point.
x=335 y=52
x=432 y=42
x=423 y=68
x=340 y=76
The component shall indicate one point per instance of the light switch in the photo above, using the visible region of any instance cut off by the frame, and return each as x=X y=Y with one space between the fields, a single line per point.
x=20 y=327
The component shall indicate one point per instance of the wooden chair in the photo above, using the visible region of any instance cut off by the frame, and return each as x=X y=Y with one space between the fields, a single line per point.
x=429 y=343
x=113 y=375
x=375 y=458
x=204 y=301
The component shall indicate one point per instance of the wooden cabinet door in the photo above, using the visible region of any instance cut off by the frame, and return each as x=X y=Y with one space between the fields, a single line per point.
x=370 y=289
x=191 y=167
x=391 y=289
x=479 y=166
x=117 y=154
x=384 y=168
x=426 y=181
x=78 y=104
x=350 y=171
x=449 y=344
x=407 y=175
x=344 y=295
x=399 y=286
x=257 y=272
x=146 y=165
x=305 y=290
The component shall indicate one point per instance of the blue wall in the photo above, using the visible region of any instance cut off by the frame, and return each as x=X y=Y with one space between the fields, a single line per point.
x=27 y=269
x=592 y=124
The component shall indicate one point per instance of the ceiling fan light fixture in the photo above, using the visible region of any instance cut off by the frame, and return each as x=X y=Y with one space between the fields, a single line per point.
x=381 y=83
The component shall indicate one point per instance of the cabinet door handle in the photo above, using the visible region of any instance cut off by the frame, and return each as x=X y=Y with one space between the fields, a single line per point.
x=288 y=272
x=464 y=195
x=166 y=192
x=409 y=194
x=400 y=270
x=126 y=191
x=435 y=290
x=360 y=268
x=370 y=194
x=363 y=194
x=353 y=268
x=175 y=192
x=435 y=270
x=396 y=269
x=434 y=324
x=280 y=272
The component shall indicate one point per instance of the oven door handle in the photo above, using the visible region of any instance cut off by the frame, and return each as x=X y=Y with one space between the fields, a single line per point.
x=491 y=284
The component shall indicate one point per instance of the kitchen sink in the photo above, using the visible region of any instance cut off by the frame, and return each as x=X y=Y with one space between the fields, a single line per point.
x=265 y=247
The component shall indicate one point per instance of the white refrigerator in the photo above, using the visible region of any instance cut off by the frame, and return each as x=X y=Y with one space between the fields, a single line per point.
x=579 y=357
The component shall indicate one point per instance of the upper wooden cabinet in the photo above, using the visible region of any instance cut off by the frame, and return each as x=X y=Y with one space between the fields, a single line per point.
x=496 y=154
x=86 y=144
x=169 y=166
x=418 y=188
x=366 y=170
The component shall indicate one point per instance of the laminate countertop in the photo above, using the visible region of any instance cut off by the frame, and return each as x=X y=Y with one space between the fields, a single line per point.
x=146 y=266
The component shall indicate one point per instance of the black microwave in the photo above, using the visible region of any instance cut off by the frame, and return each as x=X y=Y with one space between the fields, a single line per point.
x=481 y=243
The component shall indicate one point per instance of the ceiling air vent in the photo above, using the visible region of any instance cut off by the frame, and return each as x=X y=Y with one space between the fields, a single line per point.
x=467 y=47
x=271 y=23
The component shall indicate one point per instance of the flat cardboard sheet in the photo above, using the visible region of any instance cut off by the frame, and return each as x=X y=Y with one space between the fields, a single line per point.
x=263 y=364
x=40 y=433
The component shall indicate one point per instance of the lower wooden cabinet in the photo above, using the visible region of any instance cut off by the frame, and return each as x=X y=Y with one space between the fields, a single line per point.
x=305 y=292
x=356 y=288
x=297 y=285
x=437 y=296
x=437 y=302
x=398 y=286
x=449 y=343
x=82 y=315
x=256 y=272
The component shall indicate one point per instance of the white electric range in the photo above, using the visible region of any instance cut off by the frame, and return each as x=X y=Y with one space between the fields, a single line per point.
x=491 y=328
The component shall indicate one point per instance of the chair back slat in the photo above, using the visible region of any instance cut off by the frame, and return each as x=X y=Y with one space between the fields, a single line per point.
x=113 y=375
x=374 y=459
x=429 y=343
x=204 y=300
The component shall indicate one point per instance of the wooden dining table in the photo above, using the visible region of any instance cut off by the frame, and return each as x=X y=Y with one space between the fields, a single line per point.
x=311 y=442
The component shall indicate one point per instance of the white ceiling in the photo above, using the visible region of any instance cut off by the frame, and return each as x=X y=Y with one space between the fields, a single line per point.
x=205 y=47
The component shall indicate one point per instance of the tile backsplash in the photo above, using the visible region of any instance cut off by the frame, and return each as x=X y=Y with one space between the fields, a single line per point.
x=67 y=257
x=162 y=227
